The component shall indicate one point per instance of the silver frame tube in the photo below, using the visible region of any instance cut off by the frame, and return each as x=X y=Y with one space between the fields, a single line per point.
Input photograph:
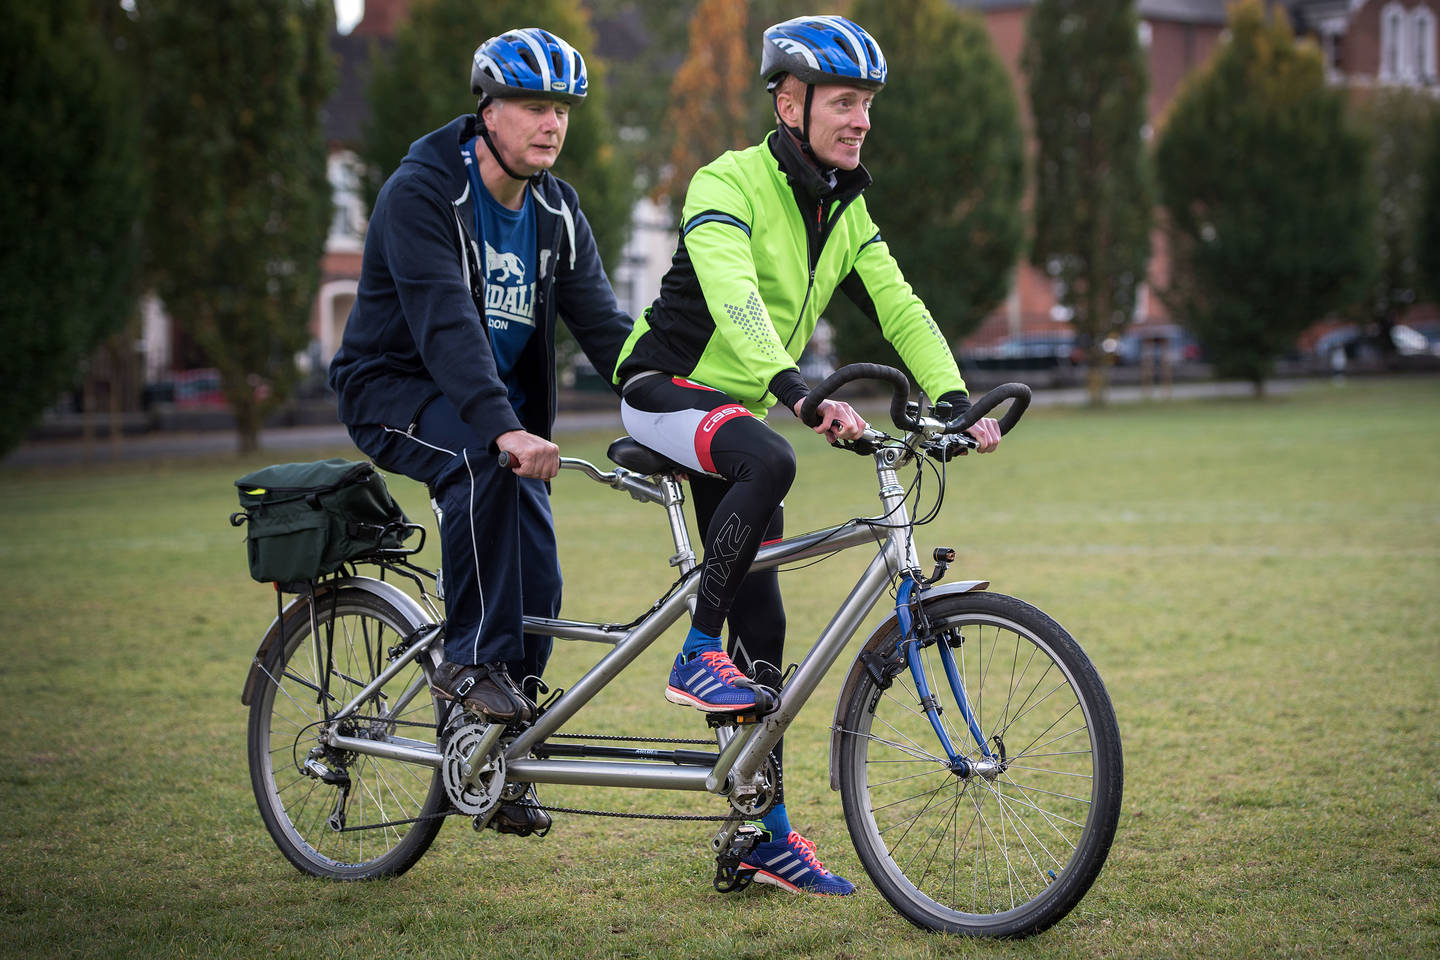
x=391 y=748
x=607 y=773
x=746 y=750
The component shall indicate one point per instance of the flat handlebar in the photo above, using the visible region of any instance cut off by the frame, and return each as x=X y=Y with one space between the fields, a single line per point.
x=900 y=395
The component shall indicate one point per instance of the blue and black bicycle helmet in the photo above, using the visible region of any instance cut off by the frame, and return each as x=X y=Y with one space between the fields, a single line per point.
x=531 y=63
x=822 y=50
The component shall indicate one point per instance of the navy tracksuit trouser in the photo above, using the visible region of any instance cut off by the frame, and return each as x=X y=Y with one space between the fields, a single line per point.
x=497 y=538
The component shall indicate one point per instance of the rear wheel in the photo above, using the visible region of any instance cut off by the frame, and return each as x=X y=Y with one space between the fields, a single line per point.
x=998 y=846
x=335 y=813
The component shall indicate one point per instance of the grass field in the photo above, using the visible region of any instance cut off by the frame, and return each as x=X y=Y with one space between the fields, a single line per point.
x=1258 y=583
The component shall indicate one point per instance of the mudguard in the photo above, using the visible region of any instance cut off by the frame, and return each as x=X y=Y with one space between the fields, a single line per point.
x=415 y=615
x=885 y=631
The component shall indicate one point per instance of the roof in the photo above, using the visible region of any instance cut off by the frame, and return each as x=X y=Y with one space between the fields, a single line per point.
x=348 y=108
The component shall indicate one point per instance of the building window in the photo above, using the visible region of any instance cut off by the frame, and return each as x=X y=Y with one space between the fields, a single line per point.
x=1422 y=35
x=1392 y=28
x=1146 y=34
x=347 y=222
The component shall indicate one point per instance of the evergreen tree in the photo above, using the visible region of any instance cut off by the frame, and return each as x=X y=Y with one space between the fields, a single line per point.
x=425 y=83
x=1263 y=183
x=947 y=155
x=1427 y=240
x=73 y=179
x=241 y=202
x=1400 y=126
x=1093 y=185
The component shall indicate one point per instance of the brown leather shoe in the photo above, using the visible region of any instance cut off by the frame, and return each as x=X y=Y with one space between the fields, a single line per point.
x=523 y=817
x=483 y=688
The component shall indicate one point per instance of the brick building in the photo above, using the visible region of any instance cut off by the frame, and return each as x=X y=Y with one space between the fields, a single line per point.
x=1366 y=43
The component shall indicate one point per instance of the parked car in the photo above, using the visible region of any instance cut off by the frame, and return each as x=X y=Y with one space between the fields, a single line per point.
x=1042 y=352
x=1177 y=344
x=1340 y=347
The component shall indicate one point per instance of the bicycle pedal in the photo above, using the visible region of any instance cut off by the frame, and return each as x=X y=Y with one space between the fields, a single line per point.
x=730 y=876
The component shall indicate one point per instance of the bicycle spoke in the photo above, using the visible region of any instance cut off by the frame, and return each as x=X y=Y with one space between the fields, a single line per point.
x=972 y=847
x=396 y=798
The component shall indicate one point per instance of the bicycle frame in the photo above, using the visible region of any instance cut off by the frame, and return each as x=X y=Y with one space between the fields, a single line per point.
x=744 y=749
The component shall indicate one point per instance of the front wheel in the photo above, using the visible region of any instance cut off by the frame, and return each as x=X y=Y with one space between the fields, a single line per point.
x=334 y=813
x=1004 y=841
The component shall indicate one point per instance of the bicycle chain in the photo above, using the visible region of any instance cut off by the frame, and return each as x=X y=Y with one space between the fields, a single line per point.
x=614 y=814
x=630 y=816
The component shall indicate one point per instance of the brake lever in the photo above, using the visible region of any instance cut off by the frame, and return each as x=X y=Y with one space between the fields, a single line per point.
x=950 y=446
x=868 y=442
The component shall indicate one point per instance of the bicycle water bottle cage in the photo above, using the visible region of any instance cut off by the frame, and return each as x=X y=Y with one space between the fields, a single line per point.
x=730 y=877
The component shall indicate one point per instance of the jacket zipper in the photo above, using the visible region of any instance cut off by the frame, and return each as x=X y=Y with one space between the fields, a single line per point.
x=814 y=247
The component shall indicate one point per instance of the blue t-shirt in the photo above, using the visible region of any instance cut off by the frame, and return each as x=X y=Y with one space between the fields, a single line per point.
x=508 y=243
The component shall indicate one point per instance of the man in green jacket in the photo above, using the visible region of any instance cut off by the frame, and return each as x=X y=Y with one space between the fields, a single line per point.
x=767 y=236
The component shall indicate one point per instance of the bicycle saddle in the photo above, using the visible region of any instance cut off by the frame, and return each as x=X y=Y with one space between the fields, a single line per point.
x=632 y=455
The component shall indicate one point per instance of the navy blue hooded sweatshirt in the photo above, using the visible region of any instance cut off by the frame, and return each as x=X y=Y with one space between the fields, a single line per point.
x=415 y=331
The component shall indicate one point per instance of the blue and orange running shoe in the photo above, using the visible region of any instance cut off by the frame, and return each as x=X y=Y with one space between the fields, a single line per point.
x=708 y=683
x=791 y=864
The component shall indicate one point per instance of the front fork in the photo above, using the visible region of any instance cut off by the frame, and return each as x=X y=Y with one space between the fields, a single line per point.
x=909 y=646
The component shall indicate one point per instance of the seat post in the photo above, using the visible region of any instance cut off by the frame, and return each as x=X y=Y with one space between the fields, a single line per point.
x=684 y=557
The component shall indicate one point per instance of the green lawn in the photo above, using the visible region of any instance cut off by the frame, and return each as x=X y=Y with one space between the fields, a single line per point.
x=1258 y=583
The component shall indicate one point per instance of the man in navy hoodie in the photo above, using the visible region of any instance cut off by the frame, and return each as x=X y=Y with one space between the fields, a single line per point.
x=448 y=356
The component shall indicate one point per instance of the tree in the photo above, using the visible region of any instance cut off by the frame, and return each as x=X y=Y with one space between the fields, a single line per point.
x=1093 y=185
x=947 y=154
x=637 y=90
x=74 y=195
x=1262 y=181
x=1400 y=126
x=1427 y=241
x=425 y=83
x=241 y=201
x=711 y=94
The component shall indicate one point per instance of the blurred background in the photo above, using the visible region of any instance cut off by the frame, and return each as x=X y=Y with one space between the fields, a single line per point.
x=1086 y=194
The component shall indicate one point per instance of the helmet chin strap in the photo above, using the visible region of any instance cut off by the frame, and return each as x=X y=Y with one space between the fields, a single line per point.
x=802 y=135
x=485 y=135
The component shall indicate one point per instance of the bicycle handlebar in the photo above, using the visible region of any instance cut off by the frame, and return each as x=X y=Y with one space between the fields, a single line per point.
x=899 y=385
x=1019 y=393
x=1016 y=392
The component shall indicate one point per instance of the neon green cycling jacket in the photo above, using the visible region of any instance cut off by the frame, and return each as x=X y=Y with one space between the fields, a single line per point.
x=757 y=262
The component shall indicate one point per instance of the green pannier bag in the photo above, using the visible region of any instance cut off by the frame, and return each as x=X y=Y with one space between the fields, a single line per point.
x=306 y=520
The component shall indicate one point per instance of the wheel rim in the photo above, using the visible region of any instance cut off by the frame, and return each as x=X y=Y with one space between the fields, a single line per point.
x=976 y=849
x=387 y=800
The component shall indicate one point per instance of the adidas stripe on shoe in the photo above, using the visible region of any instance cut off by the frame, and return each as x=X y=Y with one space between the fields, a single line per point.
x=708 y=683
x=791 y=864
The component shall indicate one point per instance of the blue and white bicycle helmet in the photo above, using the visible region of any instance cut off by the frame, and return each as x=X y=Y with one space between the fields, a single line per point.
x=822 y=50
x=531 y=63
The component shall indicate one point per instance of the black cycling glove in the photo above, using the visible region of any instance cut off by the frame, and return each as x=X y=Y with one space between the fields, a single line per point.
x=959 y=402
x=789 y=388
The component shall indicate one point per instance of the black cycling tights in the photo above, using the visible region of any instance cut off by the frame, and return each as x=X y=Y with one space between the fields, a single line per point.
x=736 y=512
x=705 y=429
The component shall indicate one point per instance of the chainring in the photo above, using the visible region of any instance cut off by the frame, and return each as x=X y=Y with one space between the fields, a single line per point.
x=478 y=795
x=767 y=789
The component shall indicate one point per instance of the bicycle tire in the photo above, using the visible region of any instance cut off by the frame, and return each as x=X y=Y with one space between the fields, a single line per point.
x=284 y=721
x=1007 y=857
